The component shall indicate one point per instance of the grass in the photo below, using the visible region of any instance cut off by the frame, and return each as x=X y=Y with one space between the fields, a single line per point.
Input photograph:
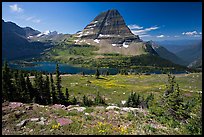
x=117 y=87
x=99 y=121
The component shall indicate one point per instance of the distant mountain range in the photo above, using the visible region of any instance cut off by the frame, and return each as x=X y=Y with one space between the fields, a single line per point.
x=17 y=43
x=187 y=50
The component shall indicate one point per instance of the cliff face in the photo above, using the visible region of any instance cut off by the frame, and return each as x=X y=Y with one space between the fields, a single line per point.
x=110 y=33
x=109 y=25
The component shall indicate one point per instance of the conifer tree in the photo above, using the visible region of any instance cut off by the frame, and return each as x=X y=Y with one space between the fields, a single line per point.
x=17 y=86
x=97 y=74
x=53 y=94
x=60 y=97
x=7 y=87
x=29 y=88
x=47 y=90
x=39 y=87
x=67 y=94
x=24 y=94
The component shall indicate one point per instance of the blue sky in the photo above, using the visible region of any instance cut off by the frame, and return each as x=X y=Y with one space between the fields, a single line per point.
x=149 y=20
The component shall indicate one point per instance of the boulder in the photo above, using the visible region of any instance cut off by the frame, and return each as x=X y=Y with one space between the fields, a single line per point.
x=79 y=109
x=34 y=119
x=112 y=107
x=64 y=121
x=41 y=123
x=22 y=123
x=15 y=104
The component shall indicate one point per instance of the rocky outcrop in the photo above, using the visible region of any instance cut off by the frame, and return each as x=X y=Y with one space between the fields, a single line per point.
x=111 y=26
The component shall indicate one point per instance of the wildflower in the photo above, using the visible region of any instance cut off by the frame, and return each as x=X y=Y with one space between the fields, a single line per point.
x=122 y=130
x=101 y=131
x=56 y=126
x=100 y=123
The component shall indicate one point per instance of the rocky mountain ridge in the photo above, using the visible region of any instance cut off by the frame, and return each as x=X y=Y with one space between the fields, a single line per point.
x=109 y=31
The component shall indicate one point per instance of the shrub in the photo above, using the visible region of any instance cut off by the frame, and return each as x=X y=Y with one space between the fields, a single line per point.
x=99 y=100
x=86 y=101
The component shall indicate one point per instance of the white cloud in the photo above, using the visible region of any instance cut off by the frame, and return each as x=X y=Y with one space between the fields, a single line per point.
x=200 y=33
x=144 y=31
x=36 y=20
x=134 y=26
x=160 y=36
x=190 y=33
x=145 y=36
x=29 y=18
x=176 y=36
x=15 y=8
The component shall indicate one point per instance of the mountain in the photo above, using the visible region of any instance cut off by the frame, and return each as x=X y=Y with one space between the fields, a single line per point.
x=30 y=32
x=191 y=54
x=110 y=33
x=15 y=44
x=196 y=64
x=176 y=46
x=164 y=53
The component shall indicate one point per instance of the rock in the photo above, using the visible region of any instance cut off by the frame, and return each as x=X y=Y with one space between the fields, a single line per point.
x=64 y=121
x=79 y=109
x=28 y=107
x=100 y=107
x=112 y=107
x=41 y=123
x=108 y=25
x=34 y=119
x=126 y=109
x=22 y=123
x=41 y=106
x=123 y=102
x=17 y=114
x=42 y=119
x=59 y=106
x=15 y=104
x=71 y=106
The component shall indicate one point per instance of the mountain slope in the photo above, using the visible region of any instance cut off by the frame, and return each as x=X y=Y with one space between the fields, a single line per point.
x=176 y=46
x=191 y=54
x=110 y=33
x=164 y=53
x=15 y=44
x=196 y=64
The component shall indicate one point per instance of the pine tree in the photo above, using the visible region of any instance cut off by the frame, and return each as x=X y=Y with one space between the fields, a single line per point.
x=87 y=101
x=29 y=88
x=107 y=73
x=39 y=87
x=47 y=90
x=23 y=91
x=17 y=96
x=53 y=94
x=99 y=100
x=97 y=74
x=173 y=103
x=61 y=97
x=67 y=94
x=7 y=87
x=74 y=101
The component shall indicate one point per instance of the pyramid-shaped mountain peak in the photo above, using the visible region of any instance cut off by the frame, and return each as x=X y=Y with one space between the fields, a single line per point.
x=108 y=25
